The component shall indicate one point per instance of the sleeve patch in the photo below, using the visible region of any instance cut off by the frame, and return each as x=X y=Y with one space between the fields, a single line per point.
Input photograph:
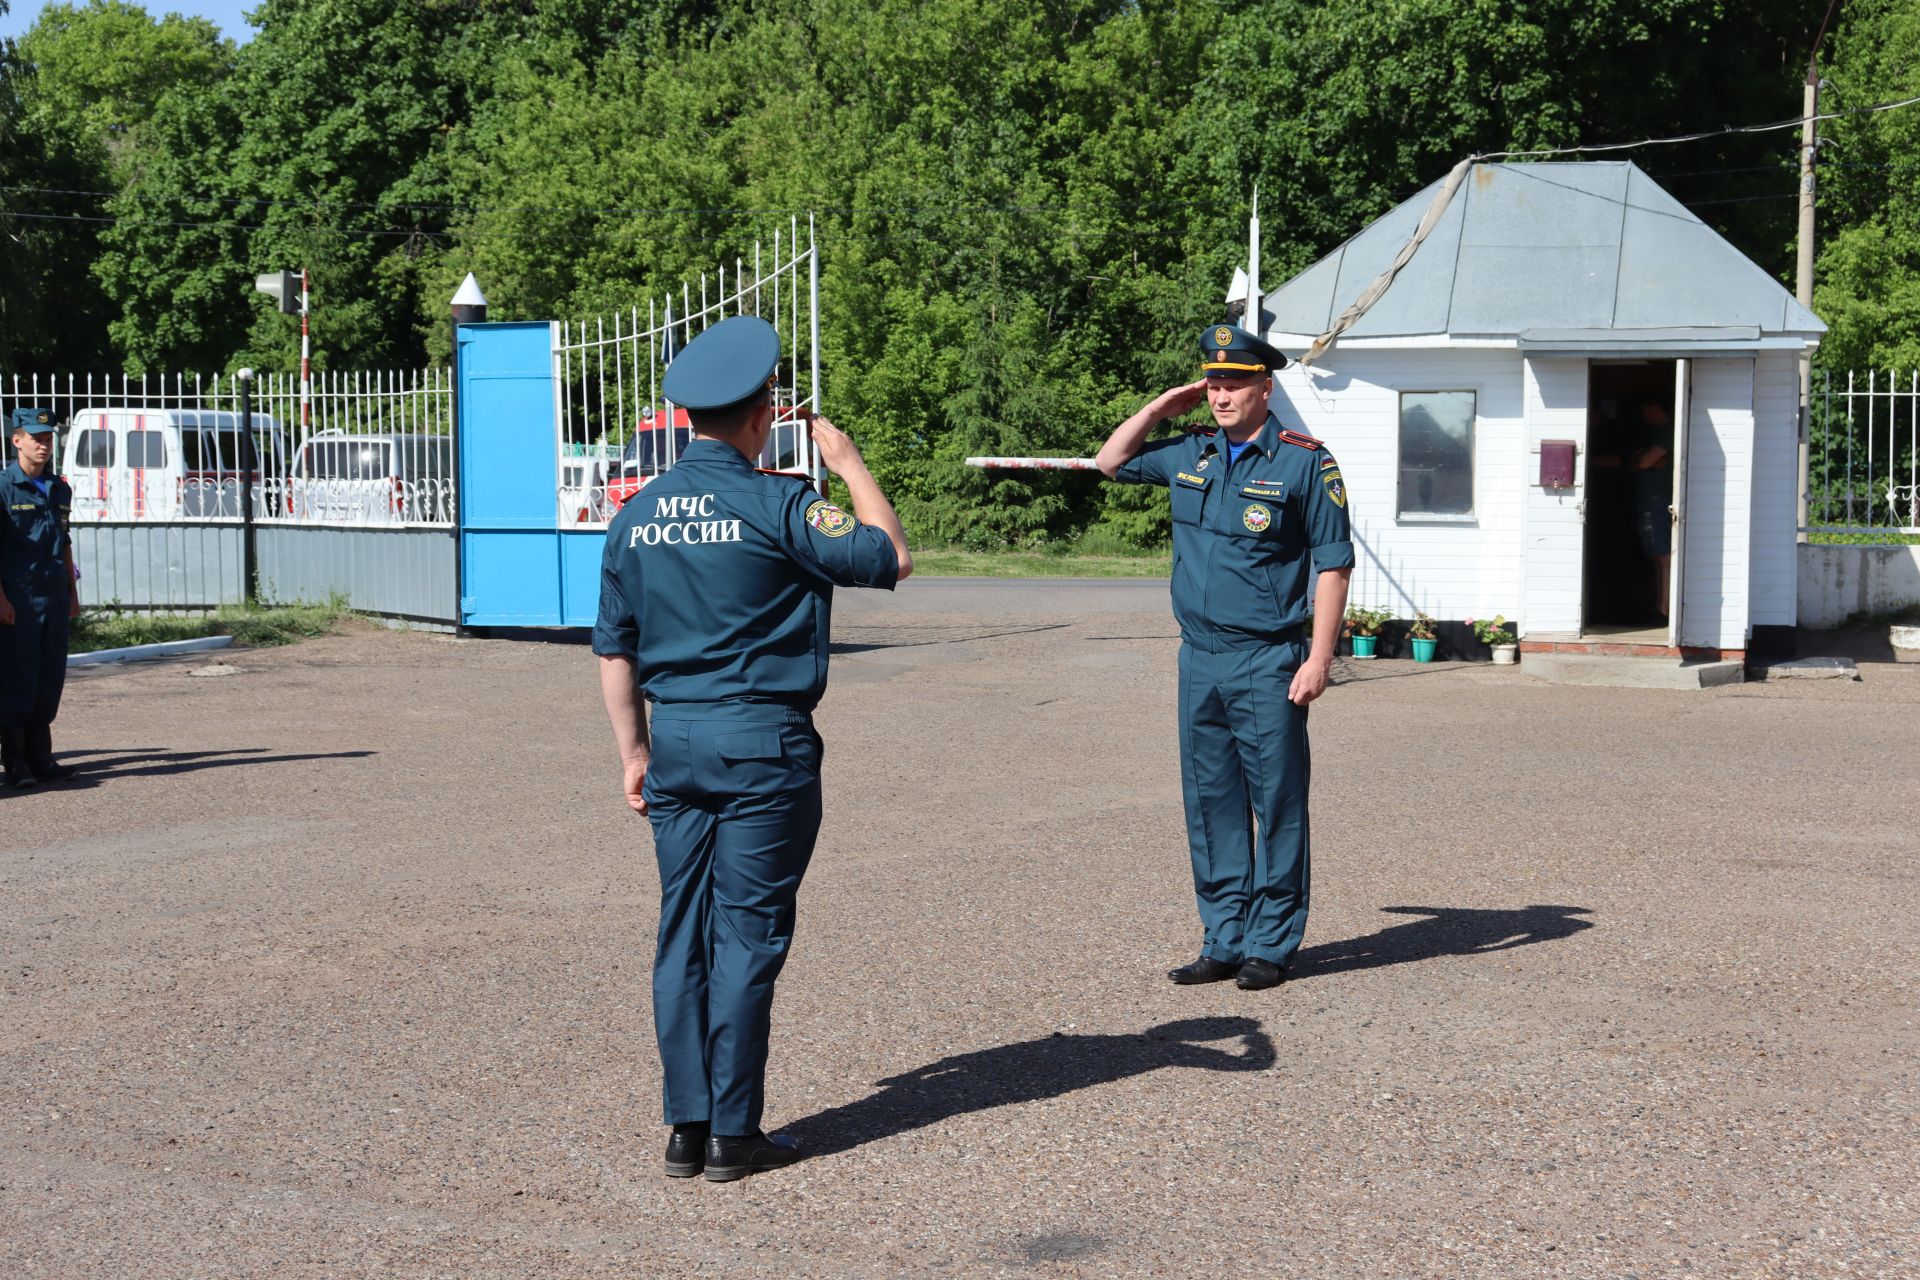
x=828 y=520
x=1336 y=490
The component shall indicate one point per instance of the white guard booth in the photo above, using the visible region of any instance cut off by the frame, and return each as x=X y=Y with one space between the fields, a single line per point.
x=1571 y=359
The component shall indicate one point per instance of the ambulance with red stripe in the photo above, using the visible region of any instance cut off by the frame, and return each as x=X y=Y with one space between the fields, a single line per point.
x=169 y=464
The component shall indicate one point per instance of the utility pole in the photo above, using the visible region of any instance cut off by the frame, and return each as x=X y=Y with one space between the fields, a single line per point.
x=306 y=361
x=1803 y=272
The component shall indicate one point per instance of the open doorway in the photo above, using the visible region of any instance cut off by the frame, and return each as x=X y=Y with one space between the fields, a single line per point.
x=1629 y=521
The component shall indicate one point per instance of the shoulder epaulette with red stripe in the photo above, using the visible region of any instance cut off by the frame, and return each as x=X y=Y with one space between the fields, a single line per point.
x=1304 y=441
x=789 y=475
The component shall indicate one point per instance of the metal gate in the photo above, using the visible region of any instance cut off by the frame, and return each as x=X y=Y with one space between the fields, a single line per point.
x=562 y=423
x=184 y=488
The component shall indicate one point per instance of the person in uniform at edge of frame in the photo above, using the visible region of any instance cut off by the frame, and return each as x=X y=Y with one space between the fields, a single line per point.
x=1260 y=540
x=715 y=600
x=38 y=598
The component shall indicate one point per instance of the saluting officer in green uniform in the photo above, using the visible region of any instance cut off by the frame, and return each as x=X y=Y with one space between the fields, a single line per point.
x=1260 y=541
x=38 y=597
x=715 y=597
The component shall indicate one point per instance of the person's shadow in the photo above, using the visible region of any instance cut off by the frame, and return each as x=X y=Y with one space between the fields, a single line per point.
x=1446 y=931
x=1026 y=1072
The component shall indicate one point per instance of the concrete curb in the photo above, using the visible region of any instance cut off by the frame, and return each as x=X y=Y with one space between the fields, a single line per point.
x=135 y=652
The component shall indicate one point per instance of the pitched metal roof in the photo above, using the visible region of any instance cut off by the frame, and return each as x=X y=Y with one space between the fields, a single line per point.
x=1549 y=254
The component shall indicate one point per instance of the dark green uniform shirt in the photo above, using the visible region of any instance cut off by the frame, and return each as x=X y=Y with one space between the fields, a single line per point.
x=1250 y=536
x=34 y=539
x=718 y=579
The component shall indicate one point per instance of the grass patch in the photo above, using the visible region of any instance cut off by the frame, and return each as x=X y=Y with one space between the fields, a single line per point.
x=952 y=562
x=1864 y=539
x=255 y=628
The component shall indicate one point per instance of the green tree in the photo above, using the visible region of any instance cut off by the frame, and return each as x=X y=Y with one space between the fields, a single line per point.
x=52 y=317
x=1867 y=285
x=100 y=69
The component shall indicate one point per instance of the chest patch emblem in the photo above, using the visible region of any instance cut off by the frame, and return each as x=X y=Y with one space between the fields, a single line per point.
x=829 y=520
x=1204 y=463
x=1256 y=518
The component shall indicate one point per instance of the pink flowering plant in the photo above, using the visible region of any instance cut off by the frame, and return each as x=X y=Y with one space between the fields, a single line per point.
x=1366 y=622
x=1492 y=631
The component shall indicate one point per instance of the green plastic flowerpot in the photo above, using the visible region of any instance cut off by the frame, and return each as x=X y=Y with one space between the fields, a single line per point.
x=1363 y=645
x=1423 y=650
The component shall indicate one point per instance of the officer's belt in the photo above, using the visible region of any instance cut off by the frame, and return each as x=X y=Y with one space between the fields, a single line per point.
x=1230 y=641
x=736 y=712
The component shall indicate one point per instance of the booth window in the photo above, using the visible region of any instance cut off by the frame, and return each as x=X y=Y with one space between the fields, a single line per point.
x=1436 y=455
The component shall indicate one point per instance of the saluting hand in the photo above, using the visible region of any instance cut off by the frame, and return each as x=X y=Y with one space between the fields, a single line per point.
x=1175 y=401
x=837 y=449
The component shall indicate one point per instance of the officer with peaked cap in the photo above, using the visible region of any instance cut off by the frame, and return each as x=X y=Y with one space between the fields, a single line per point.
x=716 y=588
x=38 y=598
x=1260 y=542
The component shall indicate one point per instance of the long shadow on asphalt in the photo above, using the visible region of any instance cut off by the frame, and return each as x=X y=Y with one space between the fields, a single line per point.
x=1447 y=931
x=1028 y=1071
x=968 y=634
x=103 y=766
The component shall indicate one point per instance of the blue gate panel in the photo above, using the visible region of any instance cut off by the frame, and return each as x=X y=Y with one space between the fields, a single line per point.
x=580 y=576
x=511 y=579
x=509 y=471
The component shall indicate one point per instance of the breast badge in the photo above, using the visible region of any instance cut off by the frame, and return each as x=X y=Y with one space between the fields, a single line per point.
x=829 y=520
x=1257 y=518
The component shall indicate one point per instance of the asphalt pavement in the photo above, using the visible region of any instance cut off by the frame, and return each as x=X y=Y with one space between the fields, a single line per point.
x=335 y=963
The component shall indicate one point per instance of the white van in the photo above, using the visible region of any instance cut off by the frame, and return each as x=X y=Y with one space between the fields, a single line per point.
x=168 y=464
x=378 y=478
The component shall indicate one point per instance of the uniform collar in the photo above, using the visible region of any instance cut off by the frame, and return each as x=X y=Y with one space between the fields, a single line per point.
x=717 y=452
x=1266 y=439
x=17 y=476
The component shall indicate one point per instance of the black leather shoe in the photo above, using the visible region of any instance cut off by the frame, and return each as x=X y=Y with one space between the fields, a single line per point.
x=1257 y=975
x=14 y=774
x=686 y=1150
x=37 y=745
x=730 y=1159
x=1205 y=969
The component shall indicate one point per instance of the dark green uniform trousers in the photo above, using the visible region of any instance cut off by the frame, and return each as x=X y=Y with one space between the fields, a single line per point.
x=1244 y=764
x=33 y=663
x=733 y=792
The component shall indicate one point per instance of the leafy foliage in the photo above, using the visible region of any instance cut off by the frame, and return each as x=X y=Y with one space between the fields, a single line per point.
x=1025 y=210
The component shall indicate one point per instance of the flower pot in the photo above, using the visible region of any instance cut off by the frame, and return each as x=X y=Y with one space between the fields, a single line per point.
x=1505 y=655
x=1363 y=645
x=1423 y=649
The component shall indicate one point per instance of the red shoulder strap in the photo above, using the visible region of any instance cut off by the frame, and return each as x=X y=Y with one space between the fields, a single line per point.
x=1304 y=441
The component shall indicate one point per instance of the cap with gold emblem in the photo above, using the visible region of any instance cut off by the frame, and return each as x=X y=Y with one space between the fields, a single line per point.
x=1230 y=351
x=33 y=421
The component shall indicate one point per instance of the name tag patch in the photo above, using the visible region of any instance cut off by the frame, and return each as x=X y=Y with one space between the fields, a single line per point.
x=1191 y=480
x=1260 y=489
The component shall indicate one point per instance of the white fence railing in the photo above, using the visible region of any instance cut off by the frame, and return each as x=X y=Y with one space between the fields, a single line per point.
x=1863 y=469
x=616 y=431
x=356 y=449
